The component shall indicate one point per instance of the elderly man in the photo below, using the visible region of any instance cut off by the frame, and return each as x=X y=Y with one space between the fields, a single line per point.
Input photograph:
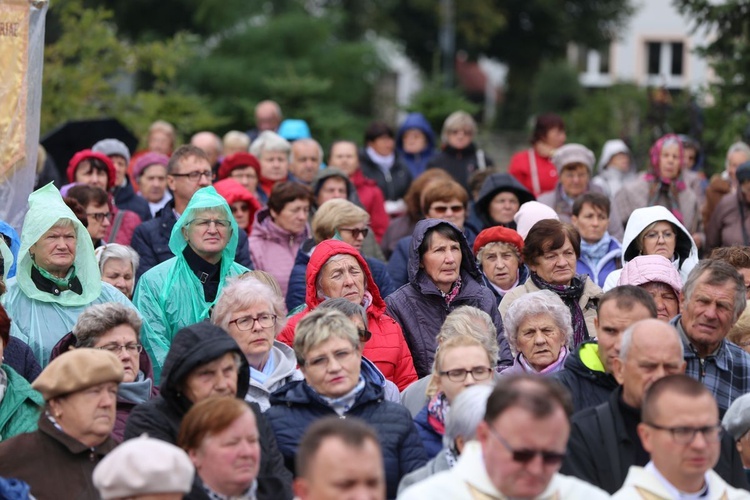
x=519 y=448
x=588 y=371
x=604 y=440
x=339 y=459
x=712 y=299
x=211 y=144
x=188 y=170
x=682 y=432
x=267 y=117
x=305 y=160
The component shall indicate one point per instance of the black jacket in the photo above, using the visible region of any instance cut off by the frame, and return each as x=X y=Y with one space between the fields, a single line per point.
x=151 y=241
x=492 y=186
x=601 y=452
x=588 y=387
x=394 y=184
x=160 y=417
x=460 y=163
x=126 y=199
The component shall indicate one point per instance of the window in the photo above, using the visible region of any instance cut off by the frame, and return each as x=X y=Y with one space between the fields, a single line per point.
x=653 y=58
x=677 y=55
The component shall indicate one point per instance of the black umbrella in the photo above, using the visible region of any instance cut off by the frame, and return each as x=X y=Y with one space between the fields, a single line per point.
x=69 y=138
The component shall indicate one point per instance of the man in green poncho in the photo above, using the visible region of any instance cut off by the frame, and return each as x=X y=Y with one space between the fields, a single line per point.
x=182 y=290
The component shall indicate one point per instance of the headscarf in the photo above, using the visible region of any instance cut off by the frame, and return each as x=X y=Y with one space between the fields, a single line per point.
x=659 y=185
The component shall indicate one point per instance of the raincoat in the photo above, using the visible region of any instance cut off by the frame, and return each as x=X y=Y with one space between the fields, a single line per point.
x=41 y=318
x=170 y=295
x=15 y=243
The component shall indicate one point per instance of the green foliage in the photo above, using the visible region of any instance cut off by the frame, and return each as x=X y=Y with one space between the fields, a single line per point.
x=556 y=88
x=436 y=102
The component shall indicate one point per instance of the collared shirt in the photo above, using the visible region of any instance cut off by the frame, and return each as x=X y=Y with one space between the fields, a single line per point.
x=675 y=493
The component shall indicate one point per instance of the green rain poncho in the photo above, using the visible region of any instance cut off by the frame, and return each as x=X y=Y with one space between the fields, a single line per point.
x=39 y=318
x=170 y=296
x=7 y=259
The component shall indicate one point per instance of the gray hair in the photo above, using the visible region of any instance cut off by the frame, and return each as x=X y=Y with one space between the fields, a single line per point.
x=502 y=245
x=306 y=141
x=534 y=304
x=627 y=338
x=270 y=141
x=737 y=147
x=467 y=411
x=117 y=252
x=242 y=293
x=236 y=138
x=455 y=121
x=98 y=319
x=322 y=325
x=718 y=273
x=348 y=308
x=64 y=222
x=334 y=258
x=470 y=322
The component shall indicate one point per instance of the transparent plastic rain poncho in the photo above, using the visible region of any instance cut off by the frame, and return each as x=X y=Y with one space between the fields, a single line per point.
x=170 y=295
x=39 y=318
x=7 y=259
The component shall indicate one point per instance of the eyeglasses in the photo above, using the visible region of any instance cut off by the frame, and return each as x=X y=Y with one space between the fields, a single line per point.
x=240 y=208
x=100 y=216
x=364 y=334
x=685 y=435
x=655 y=235
x=525 y=456
x=321 y=362
x=116 y=348
x=247 y=322
x=459 y=374
x=356 y=231
x=442 y=209
x=206 y=223
x=195 y=176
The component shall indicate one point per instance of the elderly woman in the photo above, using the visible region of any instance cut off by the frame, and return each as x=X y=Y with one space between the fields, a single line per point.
x=551 y=251
x=338 y=270
x=663 y=186
x=20 y=404
x=243 y=168
x=57 y=275
x=615 y=168
x=498 y=202
x=118 y=264
x=656 y=231
x=656 y=275
x=460 y=155
x=272 y=152
x=498 y=251
x=58 y=459
x=730 y=221
x=280 y=229
x=328 y=350
x=243 y=204
x=538 y=327
x=600 y=251
x=460 y=427
x=95 y=202
x=182 y=290
x=221 y=438
x=442 y=277
x=253 y=315
x=533 y=167
x=725 y=182
x=345 y=221
x=150 y=173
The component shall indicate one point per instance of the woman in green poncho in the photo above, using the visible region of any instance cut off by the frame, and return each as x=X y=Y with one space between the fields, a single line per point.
x=57 y=276
x=181 y=291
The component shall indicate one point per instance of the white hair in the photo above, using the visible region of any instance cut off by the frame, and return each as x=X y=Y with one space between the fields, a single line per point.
x=534 y=304
x=270 y=141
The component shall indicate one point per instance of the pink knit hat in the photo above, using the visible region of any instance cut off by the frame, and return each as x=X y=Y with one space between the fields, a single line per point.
x=529 y=214
x=649 y=268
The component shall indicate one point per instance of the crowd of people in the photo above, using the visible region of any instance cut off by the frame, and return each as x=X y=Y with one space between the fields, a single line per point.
x=245 y=318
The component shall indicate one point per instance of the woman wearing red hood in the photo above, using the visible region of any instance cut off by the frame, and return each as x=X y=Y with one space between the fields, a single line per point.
x=337 y=269
x=243 y=204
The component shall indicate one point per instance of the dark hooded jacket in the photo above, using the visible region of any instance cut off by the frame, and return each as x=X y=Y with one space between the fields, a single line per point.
x=161 y=417
x=421 y=309
x=296 y=405
x=417 y=162
x=392 y=183
x=126 y=199
x=493 y=185
x=588 y=387
x=460 y=163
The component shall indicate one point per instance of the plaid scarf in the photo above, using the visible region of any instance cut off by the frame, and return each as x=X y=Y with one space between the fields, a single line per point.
x=452 y=293
x=570 y=295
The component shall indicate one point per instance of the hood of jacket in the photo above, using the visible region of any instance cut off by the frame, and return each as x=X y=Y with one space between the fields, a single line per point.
x=468 y=263
x=644 y=269
x=610 y=149
x=641 y=218
x=206 y=197
x=419 y=122
x=46 y=207
x=574 y=364
x=320 y=255
x=265 y=228
x=286 y=363
x=193 y=346
x=232 y=191
x=15 y=243
x=497 y=183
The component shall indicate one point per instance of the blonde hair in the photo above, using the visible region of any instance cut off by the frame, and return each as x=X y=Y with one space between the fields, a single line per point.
x=741 y=328
x=447 y=345
x=334 y=214
x=234 y=139
x=458 y=120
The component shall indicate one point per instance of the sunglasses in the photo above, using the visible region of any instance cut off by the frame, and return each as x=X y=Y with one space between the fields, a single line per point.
x=442 y=209
x=356 y=232
x=240 y=208
x=525 y=456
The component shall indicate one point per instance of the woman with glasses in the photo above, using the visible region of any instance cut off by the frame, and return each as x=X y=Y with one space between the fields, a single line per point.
x=116 y=328
x=98 y=217
x=656 y=231
x=182 y=290
x=243 y=204
x=343 y=220
x=253 y=315
x=327 y=346
x=539 y=331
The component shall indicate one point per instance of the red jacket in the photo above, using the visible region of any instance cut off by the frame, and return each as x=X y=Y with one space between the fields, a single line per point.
x=373 y=201
x=130 y=221
x=520 y=168
x=387 y=347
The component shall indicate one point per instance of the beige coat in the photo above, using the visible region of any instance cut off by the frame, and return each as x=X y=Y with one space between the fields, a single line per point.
x=640 y=484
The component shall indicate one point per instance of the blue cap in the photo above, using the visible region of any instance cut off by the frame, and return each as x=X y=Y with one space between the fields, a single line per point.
x=293 y=129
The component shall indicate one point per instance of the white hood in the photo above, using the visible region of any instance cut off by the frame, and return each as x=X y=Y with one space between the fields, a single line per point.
x=611 y=148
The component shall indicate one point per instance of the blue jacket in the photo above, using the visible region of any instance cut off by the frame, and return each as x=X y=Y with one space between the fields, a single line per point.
x=126 y=199
x=421 y=310
x=151 y=241
x=417 y=162
x=295 y=406
x=15 y=244
x=431 y=440
x=295 y=294
x=606 y=265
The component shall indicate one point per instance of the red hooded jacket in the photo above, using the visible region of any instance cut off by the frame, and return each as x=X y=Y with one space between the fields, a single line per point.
x=387 y=347
x=373 y=201
x=233 y=191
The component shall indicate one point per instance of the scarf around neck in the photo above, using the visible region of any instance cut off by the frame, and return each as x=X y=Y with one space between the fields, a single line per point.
x=137 y=391
x=552 y=368
x=570 y=295
x=592 y=253
x=383 y=162
x=437 y=412
x=344 y=403
x=452 y=293
x=670 y=189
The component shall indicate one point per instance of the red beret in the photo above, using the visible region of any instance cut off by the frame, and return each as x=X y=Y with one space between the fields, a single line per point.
x=498 y=234
x=238 y=160
x=87 y=154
